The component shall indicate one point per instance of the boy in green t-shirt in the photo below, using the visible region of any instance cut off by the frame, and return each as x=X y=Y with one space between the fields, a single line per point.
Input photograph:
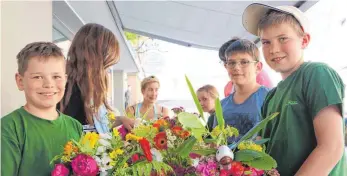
x=33 y=134
x=307 y=137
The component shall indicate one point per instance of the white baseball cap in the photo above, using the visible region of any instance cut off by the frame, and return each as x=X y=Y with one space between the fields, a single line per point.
x=255 y=12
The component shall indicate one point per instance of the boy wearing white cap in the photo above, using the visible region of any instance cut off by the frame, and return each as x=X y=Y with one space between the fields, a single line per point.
x=307 y=137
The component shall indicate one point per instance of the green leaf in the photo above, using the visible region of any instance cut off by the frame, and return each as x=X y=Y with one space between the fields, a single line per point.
x=261 y=141
x=248 y=155
x=210 y=140
x=263 y=163
x=257 y=128
x=189 y=120
x=221 y=139
x=256 y=159
x=195 y=98
x=205 y=152
x=198 y=132
x=186 y=147
x=55 y=158
x=219 y=113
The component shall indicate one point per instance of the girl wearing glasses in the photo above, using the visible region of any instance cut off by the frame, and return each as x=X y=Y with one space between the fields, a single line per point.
x=149 y=89
x=241 y=109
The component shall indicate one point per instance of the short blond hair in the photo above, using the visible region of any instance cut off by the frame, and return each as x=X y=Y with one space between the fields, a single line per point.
x=147 y=80
x=211 y=90
x=274 y=18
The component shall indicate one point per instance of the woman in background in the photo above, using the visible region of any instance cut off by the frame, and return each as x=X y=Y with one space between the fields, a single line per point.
x=149 y=88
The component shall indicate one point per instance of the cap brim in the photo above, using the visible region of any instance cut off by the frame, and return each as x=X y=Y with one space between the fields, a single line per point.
x=253 y=14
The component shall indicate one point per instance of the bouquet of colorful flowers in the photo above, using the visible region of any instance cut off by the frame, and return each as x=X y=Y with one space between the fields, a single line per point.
x=245 y=157
x=180 y=145
x=108 y=154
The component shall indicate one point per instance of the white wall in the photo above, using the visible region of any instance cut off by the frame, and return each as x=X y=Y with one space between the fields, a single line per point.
x=119 y=85
x=21 y=23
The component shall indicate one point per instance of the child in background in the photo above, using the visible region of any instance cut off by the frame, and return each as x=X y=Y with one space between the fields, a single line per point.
x=207 y=95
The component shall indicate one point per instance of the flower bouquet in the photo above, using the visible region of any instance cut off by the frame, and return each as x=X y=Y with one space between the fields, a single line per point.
x=246 y=157
x=108 y=154
x=181 y=145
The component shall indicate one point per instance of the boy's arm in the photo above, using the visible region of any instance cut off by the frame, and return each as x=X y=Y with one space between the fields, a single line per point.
x=327 y=126
x=10 y=155
x=323 y=92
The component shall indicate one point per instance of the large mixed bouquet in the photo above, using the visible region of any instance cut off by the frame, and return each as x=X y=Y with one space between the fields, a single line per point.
x=179 y=145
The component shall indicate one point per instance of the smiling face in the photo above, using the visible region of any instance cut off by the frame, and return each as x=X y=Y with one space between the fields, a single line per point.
x=43 y=82
x=242 y=68
x=150 y=92
x=283 y=48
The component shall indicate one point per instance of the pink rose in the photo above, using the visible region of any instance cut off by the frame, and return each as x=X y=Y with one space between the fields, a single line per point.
x=60 y=170
x=259 y=171
x=84 y=165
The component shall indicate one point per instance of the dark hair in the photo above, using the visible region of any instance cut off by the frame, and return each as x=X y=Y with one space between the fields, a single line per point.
x=42 y=50
x=244 y=46
x=224 y=47
x=93 y=50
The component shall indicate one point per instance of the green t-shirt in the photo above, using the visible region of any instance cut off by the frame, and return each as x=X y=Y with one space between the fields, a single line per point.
x=298 y=99
x=29 y=143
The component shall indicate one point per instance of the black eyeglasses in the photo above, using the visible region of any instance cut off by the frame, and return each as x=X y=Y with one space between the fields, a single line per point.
x=243 y=63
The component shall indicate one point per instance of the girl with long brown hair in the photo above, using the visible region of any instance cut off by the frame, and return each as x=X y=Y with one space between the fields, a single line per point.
x=93 y=51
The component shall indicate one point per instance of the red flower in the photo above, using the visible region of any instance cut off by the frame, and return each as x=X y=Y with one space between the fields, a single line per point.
x=146 y=148
x=259 y=171
x=60 y=170
x=250 y=171
x=134 y=158
x=157 y=126
x=160 y=141
x=84 y=165
x=177 y=130
x=237 y=168
x=185 y=134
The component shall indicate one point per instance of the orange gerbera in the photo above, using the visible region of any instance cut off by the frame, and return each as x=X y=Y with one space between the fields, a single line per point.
x=160 y=141
x=69 y=148
x=160 y=124
x=185 y=134
x=176 y=130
